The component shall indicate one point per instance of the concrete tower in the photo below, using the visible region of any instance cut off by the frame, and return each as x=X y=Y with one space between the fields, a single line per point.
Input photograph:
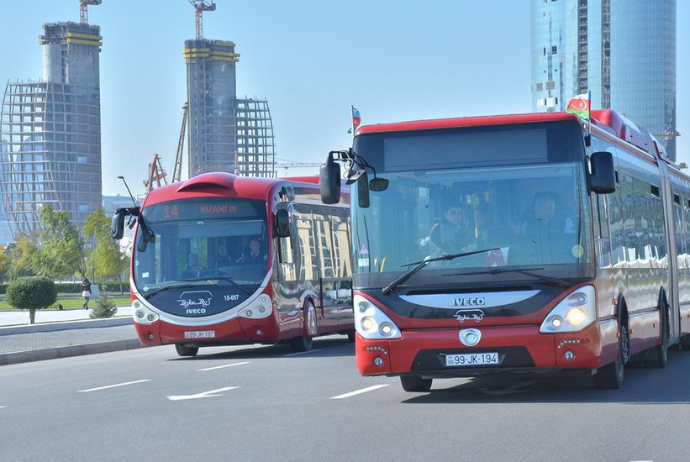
x=225 y=133
x=51 y=132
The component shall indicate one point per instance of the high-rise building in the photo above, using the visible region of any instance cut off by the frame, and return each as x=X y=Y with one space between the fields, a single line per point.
x=623 y=51
x=226 y=133
x=51 y=132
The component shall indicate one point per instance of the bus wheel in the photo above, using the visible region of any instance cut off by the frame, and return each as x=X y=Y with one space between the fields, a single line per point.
x=415 y=383
x=660 y=353
x=185 y=350
x=304 y=342
x=611 y=376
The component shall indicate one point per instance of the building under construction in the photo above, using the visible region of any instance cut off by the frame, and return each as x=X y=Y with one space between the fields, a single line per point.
x=51 y=132
x=226 y=133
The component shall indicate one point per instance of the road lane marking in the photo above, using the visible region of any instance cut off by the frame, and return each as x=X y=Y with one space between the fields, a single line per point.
x=3 y=407
x=223 y=367
x=205 y=394
x=302 y=353
x=359 y=392
x=114 y=386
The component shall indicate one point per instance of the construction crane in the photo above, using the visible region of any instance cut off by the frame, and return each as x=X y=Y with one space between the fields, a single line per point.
x=83 y=12
x=201 y=6
x=177 y=167
x=156 y=174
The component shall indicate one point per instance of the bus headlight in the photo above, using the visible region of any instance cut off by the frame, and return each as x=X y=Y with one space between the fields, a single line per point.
x=576 y=316
x=572 y=314
x=142 y=314
x=371 y=322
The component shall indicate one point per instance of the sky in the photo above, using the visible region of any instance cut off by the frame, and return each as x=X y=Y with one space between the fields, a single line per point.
x=312 y=60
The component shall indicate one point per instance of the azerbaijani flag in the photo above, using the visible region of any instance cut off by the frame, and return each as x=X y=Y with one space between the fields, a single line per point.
x=580 y=105
x=356 y=118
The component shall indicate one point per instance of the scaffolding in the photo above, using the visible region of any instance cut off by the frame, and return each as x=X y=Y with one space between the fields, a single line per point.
x=255 y=139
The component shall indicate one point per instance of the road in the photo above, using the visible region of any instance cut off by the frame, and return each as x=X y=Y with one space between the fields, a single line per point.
x=265 y=403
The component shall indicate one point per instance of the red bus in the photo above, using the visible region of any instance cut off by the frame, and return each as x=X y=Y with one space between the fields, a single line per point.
x=520 y=243
x=224 y=260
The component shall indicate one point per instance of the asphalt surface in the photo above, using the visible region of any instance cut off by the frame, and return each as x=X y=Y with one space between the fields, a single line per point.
x=60 y=334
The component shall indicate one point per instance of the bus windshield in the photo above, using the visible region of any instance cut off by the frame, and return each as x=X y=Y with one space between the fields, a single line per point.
x=516 y=216
x=201 y=241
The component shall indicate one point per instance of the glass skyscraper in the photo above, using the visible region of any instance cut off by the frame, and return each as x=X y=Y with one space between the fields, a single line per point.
x=623 y=51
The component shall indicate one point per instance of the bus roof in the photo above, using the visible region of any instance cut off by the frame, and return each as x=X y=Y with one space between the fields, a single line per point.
x=466 y=122
x=220 y=183
x=605 y=119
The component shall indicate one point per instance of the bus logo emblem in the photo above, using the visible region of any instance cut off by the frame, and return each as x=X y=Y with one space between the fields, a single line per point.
x=469 y=315
x=201 y=298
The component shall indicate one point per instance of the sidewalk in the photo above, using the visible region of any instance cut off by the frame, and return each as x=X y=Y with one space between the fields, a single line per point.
x=59 y=334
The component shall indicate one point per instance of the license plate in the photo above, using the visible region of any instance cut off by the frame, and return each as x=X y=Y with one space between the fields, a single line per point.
x=472 y=359
x=200 y=334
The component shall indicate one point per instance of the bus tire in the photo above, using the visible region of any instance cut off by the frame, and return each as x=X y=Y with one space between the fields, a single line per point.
x=304 y=342
x=660 y=352
x=183 y=350
x=611 y=376
x=415 y=383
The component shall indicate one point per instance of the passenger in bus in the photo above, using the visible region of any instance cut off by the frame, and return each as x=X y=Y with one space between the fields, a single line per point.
x=222 y=258
x=451 y=235
x=254 y=253
x=550 y=233
x=546 y=217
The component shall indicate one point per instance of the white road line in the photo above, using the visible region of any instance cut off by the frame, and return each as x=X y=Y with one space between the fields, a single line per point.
x=2 y=407
x=359 y=392
x=303 y=353
x=205 y=394
x=113 y=386
x=223 y=367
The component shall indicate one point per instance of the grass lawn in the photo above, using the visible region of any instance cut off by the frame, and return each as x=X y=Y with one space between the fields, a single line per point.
x=70 y=301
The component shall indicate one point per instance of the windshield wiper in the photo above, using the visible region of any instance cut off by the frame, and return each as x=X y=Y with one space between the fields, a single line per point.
x=497 y=270
x=186 y=284
x=421 y=264
x=226 y=279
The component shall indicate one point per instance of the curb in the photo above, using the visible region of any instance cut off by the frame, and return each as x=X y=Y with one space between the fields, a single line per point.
x=66 y=325
x=66 y=352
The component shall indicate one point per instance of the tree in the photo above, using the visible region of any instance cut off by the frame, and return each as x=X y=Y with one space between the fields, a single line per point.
x=106 y=258
x=4 y=262
x=21 y=255
x=61 y=249
x=105 y=306
x=30 y=293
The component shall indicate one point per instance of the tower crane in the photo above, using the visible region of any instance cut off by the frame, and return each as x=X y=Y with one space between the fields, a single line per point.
x=177 y=167
x=83 y=12
x=201 y=6
x=156 y=174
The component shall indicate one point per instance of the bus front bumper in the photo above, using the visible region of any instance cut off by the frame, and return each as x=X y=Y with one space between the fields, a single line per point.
x=440 y=353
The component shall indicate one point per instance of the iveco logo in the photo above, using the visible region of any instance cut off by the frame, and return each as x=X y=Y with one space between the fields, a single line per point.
x=469 y=301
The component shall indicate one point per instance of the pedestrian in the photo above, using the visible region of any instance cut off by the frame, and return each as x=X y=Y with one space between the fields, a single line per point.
x=86 y=292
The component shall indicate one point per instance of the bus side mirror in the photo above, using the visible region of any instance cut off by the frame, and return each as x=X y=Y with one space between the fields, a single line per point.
x=363 y=190
x=329 y=182
x=602 y=179
x=117 y=225
x=282 y=223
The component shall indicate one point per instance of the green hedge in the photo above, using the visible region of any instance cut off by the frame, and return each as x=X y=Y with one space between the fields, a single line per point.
x=75 y=287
